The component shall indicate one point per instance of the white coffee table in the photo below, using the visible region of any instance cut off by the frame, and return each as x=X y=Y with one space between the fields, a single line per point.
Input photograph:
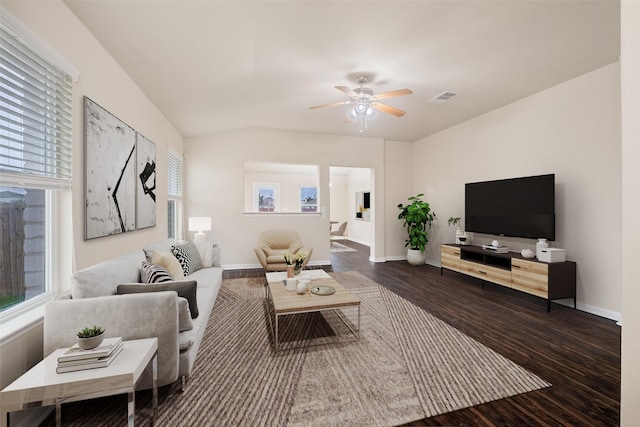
x=42 y=386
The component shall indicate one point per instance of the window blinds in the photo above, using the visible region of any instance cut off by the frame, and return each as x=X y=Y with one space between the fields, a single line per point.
x=35 y=116
x=174 y=175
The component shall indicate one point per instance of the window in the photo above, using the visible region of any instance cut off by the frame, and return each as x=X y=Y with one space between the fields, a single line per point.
x=174 y=195
x=280 y=188
x=308 y=199
x=35 y=164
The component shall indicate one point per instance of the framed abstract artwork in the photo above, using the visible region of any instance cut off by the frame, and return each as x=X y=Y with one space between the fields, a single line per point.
x=110 y=171
x=145 y=182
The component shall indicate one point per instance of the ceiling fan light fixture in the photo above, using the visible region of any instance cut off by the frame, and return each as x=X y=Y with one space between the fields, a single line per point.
x=365 y=104
x=361 y=108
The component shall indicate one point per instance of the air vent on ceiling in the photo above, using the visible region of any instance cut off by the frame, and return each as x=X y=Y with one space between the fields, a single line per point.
x=443 y=97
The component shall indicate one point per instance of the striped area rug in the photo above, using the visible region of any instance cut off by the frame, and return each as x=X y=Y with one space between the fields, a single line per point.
x=407 y=365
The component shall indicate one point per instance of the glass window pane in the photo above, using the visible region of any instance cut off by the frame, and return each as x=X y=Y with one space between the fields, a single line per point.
x=171 y=217
x=23 y=214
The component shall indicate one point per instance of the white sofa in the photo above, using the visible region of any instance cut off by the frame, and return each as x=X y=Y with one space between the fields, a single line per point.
x=93 y=300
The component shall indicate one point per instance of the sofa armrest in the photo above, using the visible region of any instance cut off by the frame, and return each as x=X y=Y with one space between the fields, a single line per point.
x=132 y=316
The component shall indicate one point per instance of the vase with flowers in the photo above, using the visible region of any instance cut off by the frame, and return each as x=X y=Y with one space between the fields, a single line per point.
x=294 y=262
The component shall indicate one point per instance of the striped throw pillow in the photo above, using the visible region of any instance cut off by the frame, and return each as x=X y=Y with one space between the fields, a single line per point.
x=188 y=256
x=153 y=273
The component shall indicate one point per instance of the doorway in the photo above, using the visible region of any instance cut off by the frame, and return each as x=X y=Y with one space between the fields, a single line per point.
x=350 y=192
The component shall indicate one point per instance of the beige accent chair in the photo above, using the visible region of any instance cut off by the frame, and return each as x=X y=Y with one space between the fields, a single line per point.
x=273 y=244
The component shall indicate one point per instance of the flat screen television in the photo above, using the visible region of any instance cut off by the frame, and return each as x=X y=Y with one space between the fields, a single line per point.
x=515 y=207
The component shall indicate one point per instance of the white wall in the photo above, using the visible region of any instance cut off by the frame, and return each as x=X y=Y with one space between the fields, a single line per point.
x=338 y=198
x=359 y=180
x=630 y=70
x=213 y=186
x=572 y=130
x=106 y=83
x=102 y=79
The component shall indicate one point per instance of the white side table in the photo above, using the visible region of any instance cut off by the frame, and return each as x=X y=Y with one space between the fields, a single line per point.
x=42 y=386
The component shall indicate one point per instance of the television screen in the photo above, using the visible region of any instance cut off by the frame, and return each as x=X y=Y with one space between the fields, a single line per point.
x=516 y=207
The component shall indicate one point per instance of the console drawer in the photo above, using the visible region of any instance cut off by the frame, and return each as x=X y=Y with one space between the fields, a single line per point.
x=450 y=257
x=487 y=273
x=530 y=277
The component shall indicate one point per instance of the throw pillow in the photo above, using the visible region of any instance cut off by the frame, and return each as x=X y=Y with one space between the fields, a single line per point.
x=184 y=315
x=168 y=261
x=186 y=289
x=188 y=256
x=154 y=273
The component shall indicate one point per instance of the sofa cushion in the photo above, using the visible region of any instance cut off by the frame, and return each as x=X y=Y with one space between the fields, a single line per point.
x=154 y=273
x=186 y=289
x=188 y=256
x=185 y=323
x=168 y=261
x=102 y=279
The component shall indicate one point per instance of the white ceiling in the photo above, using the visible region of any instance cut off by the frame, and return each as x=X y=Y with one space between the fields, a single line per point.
x=213 y=66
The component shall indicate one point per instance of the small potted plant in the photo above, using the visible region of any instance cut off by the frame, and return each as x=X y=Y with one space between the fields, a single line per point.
x=89 y=338
x=461 y=235
x=417 y=217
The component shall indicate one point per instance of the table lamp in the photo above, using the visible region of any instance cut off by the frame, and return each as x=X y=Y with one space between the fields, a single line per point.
x=199 y=224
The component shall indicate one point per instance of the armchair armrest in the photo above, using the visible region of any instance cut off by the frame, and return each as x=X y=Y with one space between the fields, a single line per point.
x=131 y=316
x=262 y=256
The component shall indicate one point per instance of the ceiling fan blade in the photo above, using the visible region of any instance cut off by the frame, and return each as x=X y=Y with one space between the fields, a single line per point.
x=348 y=91
x=388 y=109
x=393 y=93
x=332 y=104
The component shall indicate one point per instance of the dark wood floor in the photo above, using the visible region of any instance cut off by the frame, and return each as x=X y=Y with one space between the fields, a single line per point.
x=578 y=353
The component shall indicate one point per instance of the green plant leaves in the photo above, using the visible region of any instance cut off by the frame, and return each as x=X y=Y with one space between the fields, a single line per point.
x=417 y=218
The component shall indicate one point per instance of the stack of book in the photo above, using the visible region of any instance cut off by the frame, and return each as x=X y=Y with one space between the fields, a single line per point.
x=76 y=359
x=496 y=249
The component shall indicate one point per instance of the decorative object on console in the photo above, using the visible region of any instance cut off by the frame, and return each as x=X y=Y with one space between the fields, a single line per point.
x=461 y=235
x=552 y=255
x=199 y=224
x=89 y=338
x=496 y=248
x=527 y=253
x=417 y=217
x=542 y=244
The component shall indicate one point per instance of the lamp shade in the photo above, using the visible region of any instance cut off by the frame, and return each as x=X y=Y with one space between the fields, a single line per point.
x=200 y=223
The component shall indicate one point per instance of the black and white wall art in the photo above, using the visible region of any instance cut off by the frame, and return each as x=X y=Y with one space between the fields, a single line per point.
x=145 y=182
x=110 y=163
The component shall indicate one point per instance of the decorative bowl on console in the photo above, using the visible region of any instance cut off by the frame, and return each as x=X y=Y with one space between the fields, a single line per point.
x=527 y=253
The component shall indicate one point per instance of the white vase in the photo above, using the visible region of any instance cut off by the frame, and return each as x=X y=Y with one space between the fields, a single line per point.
x=416 y=257
x=542 y=244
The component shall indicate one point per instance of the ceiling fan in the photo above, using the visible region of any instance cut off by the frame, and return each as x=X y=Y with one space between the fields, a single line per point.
x=365 y=102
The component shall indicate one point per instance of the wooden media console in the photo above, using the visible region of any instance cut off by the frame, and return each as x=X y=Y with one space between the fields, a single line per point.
x=546 y=280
